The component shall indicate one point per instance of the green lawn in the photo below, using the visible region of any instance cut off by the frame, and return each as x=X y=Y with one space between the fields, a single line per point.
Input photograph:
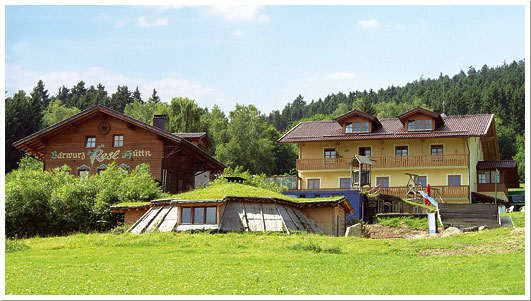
x=487 y=262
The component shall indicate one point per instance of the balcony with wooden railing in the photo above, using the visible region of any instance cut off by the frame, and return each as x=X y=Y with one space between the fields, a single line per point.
x=386 y=162
x=447 y=192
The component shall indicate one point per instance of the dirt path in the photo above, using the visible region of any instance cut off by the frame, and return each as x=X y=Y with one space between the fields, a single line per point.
x=378 y=231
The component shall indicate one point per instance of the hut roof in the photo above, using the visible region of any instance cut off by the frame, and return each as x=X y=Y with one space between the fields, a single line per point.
x=220 y=191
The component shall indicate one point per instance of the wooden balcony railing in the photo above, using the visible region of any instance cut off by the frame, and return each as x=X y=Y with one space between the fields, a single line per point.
x=386 y=162
x=449 y=192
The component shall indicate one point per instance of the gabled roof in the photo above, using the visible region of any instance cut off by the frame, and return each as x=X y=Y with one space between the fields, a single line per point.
x=196 y=136
x=437 y=116
x=403 y=117
x=392 y=128
x=35 y=143
x=341 y=119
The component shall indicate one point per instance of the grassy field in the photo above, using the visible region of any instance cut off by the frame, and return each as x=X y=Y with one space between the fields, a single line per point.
x=487 y=262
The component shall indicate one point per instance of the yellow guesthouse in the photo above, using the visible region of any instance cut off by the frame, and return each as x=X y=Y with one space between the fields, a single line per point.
x=459 y=155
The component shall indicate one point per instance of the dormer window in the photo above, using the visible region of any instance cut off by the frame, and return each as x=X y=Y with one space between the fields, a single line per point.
x=419 y=125
x=357 y=127
x=348 y=128
x=358 y=122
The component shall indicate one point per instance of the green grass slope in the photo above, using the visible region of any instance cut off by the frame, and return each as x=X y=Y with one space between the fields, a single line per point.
x=220 y=191
x=490 y=262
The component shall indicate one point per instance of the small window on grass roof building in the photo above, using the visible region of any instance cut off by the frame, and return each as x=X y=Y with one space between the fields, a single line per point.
x=199 y=215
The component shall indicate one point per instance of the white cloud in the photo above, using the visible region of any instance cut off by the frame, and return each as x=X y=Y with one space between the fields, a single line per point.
x=238 y=33
x=369 y=24
x=143 y=22
x=341 y=75
x=398 y=26
x=374 y=24
x=237 y=13
x=120 y=24
x=18 y=78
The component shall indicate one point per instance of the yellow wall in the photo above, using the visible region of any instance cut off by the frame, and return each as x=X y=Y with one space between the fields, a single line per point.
x=436 y=176
x=382 y=148
x=397 y=177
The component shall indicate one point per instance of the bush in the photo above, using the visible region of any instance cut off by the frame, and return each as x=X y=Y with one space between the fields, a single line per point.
x=53 y=202
x=251 y=180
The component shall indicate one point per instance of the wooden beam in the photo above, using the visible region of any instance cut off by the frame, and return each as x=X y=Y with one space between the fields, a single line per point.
x=131 y=126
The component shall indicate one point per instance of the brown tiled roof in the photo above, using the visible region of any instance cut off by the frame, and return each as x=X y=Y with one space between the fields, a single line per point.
x=501 y=164
x=392 y=128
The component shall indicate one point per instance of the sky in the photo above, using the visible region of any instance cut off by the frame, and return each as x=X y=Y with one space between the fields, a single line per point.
x=260 y=55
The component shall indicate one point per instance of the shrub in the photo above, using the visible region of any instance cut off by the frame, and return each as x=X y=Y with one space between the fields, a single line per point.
x=53 y=202
x=251 y=180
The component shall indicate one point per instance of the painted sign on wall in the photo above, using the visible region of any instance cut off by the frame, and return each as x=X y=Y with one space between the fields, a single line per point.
x=99 y=155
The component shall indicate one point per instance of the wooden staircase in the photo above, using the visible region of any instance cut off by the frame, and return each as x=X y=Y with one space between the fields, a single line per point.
x=468 y=215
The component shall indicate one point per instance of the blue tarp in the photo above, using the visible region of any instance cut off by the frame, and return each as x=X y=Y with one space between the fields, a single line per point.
x=432 y=200
x=353 y=197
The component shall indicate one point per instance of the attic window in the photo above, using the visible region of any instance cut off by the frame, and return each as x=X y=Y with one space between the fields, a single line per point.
x=357 y=127
x=419 y=125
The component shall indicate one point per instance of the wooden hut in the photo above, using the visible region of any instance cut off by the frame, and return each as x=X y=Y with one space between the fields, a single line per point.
x=239 y=214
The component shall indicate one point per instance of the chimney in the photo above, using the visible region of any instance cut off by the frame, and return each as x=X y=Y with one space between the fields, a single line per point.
x=158 y=121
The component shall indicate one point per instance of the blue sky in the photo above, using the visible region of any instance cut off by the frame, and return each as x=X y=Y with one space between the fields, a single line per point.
x=261 y=55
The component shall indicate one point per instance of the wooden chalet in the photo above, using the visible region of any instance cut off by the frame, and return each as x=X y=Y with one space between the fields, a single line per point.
x=88 y=141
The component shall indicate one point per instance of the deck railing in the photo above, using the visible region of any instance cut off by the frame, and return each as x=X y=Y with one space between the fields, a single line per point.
x=450 y=192
x=386 y=162
x=447 y=192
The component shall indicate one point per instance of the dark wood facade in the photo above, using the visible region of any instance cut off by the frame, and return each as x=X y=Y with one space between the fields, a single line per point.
x=174 y=161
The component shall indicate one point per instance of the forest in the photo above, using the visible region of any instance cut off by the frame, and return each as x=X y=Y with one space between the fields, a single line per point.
x=246 y=137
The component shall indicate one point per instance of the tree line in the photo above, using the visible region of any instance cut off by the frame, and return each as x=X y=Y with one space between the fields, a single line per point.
x=247 y=137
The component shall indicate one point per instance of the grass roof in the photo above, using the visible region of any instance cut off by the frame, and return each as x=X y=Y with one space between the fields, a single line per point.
x=131 y=204
x=220 y=191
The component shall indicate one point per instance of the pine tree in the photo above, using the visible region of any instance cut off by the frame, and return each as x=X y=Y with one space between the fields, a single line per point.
x=154 y=97
x=137 y=96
